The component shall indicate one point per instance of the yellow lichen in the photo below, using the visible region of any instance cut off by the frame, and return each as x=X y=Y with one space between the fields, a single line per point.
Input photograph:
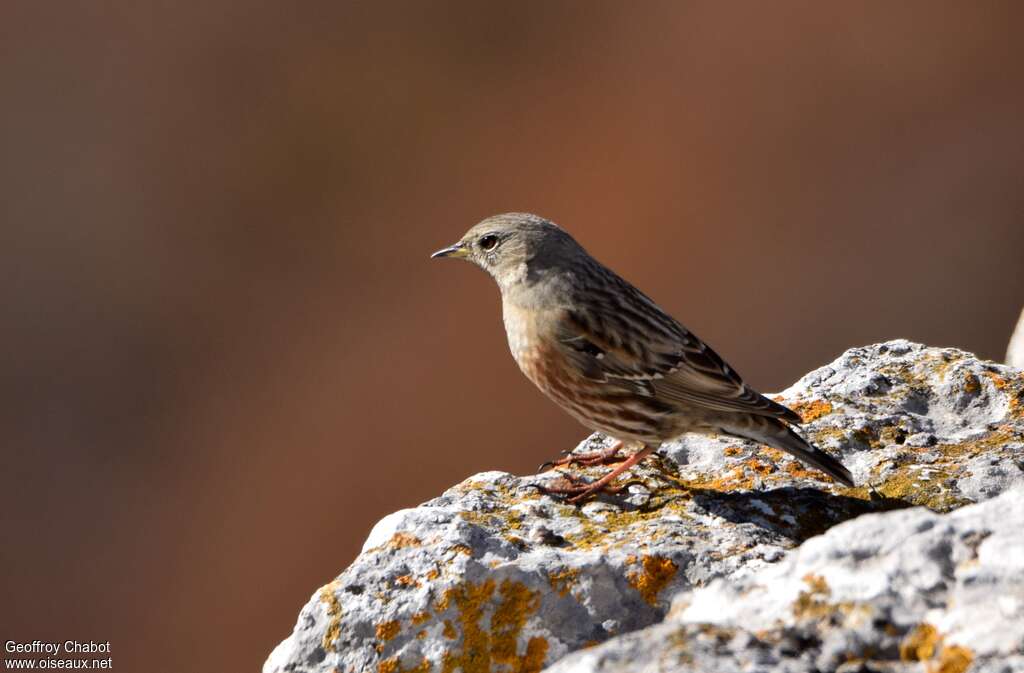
x=824 y=435
x=904 y=478
x=672 y=499
x=504 y=519
x=388 y=630
x=655 y=574
x=329 y=597
x=910 y=484
x=920 y=644
x=891 y=434
x=813 y=603
x=733 y=479
x=926 y=485
x=470 y=600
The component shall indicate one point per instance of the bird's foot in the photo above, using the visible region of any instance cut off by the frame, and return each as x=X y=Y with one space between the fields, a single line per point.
x=604 y=457
x=580 y=490
x=576 y=489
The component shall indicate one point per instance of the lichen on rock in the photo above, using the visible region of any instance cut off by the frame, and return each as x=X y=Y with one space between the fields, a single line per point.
x=904 y=591
x=495 y=576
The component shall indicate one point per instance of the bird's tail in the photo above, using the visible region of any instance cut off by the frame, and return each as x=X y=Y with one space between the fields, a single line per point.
x=777 y=434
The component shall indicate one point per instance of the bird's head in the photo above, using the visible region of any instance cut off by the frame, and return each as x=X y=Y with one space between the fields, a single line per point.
x=514 y=247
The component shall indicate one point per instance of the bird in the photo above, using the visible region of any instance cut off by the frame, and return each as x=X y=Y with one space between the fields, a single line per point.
x=610 y=357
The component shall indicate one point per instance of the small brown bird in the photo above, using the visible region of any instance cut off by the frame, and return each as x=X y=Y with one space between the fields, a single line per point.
x=610 y=357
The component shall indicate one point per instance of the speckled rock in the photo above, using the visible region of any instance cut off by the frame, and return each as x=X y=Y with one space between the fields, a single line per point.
x=494 y=576
x=901 y=591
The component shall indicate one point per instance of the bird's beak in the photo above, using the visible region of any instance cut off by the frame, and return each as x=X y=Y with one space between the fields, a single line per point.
x=457 y=250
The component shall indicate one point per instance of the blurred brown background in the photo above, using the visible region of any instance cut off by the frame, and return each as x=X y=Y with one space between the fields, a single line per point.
x=225 y=353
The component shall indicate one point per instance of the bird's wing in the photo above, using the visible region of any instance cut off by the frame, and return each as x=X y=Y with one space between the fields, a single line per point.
x=654 y=355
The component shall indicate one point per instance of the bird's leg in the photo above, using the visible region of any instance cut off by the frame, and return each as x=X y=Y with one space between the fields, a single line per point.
x=602 y=457
x=580 y=491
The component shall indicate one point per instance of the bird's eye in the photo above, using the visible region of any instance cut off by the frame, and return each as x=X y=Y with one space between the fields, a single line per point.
x=488 y=242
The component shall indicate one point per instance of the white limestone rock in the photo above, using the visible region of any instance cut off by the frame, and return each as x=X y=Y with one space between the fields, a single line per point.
x=910 y=590
x=494 y=576
x=1015 y=350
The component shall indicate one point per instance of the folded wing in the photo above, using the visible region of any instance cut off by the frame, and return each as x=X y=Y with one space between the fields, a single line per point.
x=654 y=355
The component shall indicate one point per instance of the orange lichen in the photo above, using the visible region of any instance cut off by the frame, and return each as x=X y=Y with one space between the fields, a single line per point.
x=498 y=642
x=920 y=644
x=470 y=600
x=407 y=581
x=517 y=603
x=998 y=381
x=797 y=469
x=533 y=659
x=759 y=467
x=562 y=581
x=655 y=574
x=402 y=541
x=1013 y=388
x=954 y=659
x=812 y=410
x=732 y=451
x=420 y=618
x=388 y=630
x=393 y=666
x=449 y=630
x=329 y=597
